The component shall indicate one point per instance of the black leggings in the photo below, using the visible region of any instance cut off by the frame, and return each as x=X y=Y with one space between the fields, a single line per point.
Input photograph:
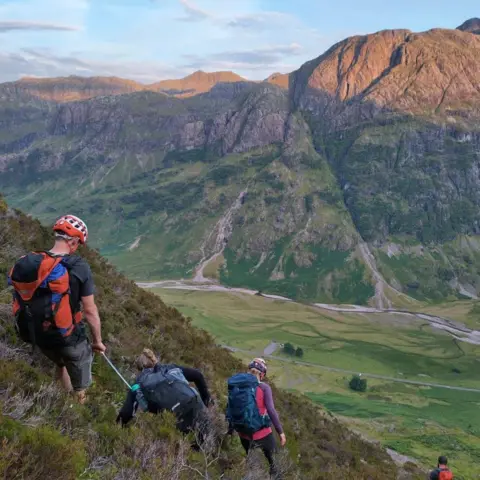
x=195 y=420
x=268 y=446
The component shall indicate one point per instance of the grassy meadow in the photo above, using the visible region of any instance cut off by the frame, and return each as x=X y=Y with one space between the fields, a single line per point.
x=417 y=421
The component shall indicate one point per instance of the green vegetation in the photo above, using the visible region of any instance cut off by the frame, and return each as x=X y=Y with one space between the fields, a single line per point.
x=289 y=349
x=358 y=384
x=39 y=424
x=417 y=421
x=347 y=285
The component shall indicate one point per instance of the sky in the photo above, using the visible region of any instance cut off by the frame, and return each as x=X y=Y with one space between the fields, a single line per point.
x=151 y=40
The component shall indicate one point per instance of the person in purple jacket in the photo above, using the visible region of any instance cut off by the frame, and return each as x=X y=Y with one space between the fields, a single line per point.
x=264 y=438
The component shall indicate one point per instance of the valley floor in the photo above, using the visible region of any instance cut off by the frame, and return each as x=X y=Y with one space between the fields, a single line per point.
x=423 y=388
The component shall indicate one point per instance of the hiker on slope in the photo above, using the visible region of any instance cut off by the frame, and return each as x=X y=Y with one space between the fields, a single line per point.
x=49 y=290
x=166 y=387
x=442 y=472
x=251 y=411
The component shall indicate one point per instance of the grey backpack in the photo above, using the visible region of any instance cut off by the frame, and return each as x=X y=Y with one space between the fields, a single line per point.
x=166 y=388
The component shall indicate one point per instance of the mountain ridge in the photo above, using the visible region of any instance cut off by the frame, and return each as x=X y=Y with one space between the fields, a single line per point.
x=74 y=87
x=360 y=179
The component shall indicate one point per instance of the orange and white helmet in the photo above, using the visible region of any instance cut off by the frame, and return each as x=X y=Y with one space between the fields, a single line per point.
x=73 y=227
x=259 y=364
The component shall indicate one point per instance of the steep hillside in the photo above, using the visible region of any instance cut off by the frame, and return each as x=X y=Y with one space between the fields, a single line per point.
x=357 y=184
x=406 y=179
x=38 y=425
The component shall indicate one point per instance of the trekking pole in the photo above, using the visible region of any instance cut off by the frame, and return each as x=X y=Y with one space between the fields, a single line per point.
x=116 y=371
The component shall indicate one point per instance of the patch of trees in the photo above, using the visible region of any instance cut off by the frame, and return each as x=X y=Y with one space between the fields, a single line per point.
x=358 y=383
x=289 y=349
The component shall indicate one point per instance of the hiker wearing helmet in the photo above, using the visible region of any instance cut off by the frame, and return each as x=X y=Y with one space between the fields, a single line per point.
x=442 y=472
x=251 y=411
x=49 y=290
x=166 y=387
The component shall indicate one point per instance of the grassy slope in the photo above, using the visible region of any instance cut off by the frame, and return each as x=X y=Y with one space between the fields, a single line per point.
x=37 y=428
x=419 y=422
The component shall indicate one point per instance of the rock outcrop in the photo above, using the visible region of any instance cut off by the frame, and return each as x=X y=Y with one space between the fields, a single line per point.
x=426 y=73
x=472 y=26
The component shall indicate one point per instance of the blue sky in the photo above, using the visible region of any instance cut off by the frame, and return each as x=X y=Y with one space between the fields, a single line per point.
x=150 y=40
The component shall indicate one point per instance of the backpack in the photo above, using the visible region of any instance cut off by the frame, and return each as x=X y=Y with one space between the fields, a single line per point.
x=41 y=300
x=445 y=475
x=242 y=410
x=166 y=388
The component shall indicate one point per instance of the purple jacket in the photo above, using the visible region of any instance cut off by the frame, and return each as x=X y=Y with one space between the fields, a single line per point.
x=265 y=404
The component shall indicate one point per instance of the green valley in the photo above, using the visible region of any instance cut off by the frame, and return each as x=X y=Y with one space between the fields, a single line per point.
x=414 y=420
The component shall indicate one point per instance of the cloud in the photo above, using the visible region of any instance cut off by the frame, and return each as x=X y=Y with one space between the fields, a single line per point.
x=261 y=20
x=45 y=63
x=193 y=13
x=260 y=59
x=8 y=26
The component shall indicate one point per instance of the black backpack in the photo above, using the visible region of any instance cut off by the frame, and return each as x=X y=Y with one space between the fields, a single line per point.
x=166 y=388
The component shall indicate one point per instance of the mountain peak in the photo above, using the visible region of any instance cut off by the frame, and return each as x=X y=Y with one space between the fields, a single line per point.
x=195 y=83
x=472 y=25
x=279 y=79
x=400 y=70
x=222 y=75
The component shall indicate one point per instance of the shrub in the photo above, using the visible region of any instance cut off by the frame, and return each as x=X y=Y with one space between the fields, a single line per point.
x=358 y=383
x=289 y=349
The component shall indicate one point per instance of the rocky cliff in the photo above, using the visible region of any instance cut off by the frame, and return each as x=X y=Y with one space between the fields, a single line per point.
x=430 y=73
x=359 y=183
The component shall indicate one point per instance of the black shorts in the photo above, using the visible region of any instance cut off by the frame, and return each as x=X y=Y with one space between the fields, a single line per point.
x=77 y=359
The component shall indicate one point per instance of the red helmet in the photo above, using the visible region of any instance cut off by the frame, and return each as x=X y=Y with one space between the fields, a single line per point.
x=259 y=364
x=73 y=227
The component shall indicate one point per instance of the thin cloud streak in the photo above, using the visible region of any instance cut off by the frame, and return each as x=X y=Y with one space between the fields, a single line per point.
x=193 y=13
x=9 y=26
x=43 y=64
x=256 y=59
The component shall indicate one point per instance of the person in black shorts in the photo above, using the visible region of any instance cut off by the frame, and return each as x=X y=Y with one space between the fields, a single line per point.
x=74 y=361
